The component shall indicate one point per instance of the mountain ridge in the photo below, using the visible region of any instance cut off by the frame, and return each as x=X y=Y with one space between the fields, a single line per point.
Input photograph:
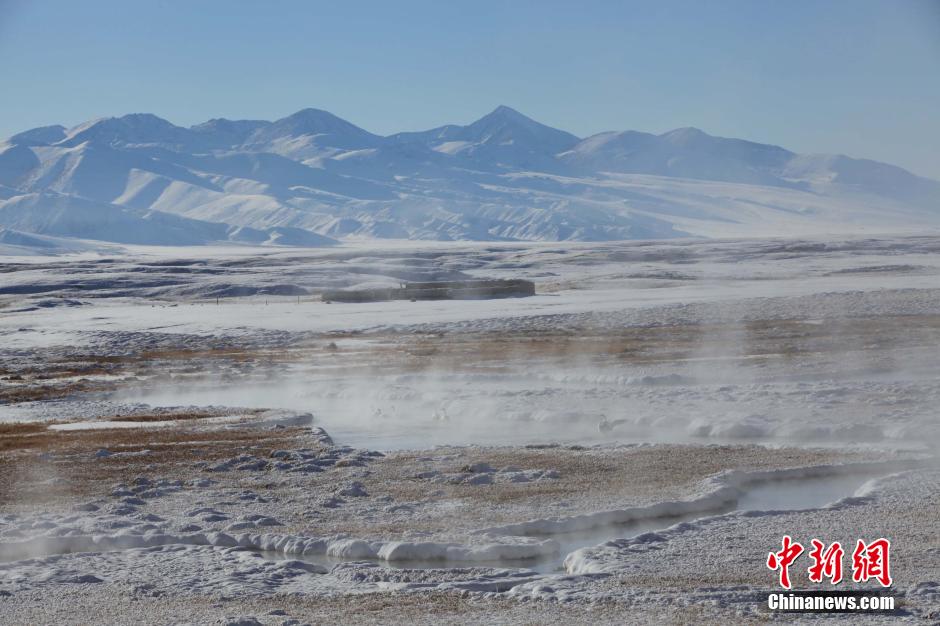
x=504 y=176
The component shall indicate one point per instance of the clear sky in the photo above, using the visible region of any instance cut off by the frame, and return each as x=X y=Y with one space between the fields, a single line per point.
x=859 y=77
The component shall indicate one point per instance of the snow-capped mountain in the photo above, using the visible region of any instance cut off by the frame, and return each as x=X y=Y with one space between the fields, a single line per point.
x=312 y=177
x=682 y=153
x=504 y=138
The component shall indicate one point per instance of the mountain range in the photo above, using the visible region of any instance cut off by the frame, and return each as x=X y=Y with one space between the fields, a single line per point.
x=312 y=178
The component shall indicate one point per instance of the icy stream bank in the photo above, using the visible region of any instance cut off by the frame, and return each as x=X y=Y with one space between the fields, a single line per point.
x=540 y=545
x=553 y=545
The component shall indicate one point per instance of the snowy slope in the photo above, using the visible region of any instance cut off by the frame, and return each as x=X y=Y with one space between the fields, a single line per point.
x=16 y=243
x=58 y=215
x=503 y=177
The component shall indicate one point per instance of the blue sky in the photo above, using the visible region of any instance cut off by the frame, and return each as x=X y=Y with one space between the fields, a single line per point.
x=852 y=76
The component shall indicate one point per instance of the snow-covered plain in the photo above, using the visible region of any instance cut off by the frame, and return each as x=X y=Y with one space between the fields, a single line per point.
x=226 y=445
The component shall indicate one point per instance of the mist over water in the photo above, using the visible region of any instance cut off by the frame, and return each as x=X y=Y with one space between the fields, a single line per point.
x=727 y=384
x=805 y=342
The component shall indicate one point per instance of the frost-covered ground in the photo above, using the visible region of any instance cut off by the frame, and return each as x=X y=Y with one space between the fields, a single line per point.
x=225 y=445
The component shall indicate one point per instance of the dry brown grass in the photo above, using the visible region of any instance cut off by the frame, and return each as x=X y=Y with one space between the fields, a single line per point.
x=9 y=429
x=493 y=351
x=35 y=393
x=31 y=453
x=775 y=338
x=166 y=417
x=283 y=354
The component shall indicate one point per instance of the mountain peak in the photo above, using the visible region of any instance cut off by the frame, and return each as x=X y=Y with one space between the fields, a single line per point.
x=140 y=119
x=311 y=113
x=310 y=131
x=686 y=133
x=504 y=124
x=312 y=121
x=131 y=121
x=317 y=119
x=134 y=128
x=505 y=114
x=507 y=111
